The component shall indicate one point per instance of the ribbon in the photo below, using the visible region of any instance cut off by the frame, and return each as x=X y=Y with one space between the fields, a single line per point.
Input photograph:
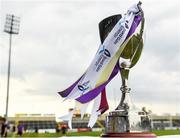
x=104 y=67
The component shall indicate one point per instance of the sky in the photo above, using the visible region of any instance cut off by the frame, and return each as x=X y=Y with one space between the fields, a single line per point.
x=59 y=38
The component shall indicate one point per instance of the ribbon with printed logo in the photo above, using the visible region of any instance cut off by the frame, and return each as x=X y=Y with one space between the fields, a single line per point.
x=104 y=67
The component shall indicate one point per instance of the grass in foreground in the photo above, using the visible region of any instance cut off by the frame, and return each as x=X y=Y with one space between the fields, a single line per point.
x=93 y=134
x=166 y=132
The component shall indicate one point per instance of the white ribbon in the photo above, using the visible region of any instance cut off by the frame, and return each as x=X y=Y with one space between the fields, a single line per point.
x=104 y=55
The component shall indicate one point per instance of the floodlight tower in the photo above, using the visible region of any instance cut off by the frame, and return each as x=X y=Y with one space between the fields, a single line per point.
x=11 y=27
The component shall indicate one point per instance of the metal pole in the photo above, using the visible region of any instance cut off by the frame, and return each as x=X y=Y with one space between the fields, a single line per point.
x=9 y=68
x=11 y=27
x=9 y=73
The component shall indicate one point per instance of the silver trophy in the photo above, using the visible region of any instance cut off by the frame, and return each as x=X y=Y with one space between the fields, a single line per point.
x=126 y=118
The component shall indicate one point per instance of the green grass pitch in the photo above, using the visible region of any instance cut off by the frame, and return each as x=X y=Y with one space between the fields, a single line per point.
x=94 y=134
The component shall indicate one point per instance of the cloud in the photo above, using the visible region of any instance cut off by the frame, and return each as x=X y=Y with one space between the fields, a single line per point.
x=58 y=40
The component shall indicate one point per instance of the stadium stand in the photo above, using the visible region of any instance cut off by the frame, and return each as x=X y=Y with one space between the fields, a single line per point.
x=47 y=123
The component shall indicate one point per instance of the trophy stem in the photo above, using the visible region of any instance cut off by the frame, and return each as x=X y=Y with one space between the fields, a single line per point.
x=124 y=70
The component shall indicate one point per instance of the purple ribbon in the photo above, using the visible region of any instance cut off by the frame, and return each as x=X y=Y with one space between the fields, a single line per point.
x=137 y=20
x=67 y=91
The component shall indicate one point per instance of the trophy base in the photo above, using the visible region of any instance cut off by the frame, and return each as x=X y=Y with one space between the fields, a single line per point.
x=129 y=135
x=118 y=125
